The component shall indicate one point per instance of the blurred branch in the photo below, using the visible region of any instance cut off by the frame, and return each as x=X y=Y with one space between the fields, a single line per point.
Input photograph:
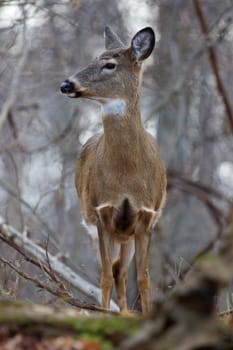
x=25 y=44
x=48 y=6
x=187 y=318
x=17 y=187
x=14 y=194
x=205 y=194
x=58 y=138
x=214 y=64
x=36 y=281
x=53 y=141
x=202 y=192
x=175 y=175
x=215 y=35
x=9 y=234
x=60 y=292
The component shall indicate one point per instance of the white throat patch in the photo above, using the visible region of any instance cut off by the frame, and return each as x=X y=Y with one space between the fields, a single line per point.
x=114 y=107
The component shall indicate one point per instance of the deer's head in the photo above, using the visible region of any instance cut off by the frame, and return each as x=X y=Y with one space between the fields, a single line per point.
x=115 y=74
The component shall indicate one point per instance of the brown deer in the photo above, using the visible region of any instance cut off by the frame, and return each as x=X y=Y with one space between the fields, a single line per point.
x=120 y=178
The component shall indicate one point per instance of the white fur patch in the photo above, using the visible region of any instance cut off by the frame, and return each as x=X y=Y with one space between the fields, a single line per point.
x=91 y=230
x=72 y=94
x=111 y=106
x=93 y=234
x=155 y=214
x=103 y=206
x=150 y=210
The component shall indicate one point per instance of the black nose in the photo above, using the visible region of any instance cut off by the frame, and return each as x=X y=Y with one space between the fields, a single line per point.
x=67 y=87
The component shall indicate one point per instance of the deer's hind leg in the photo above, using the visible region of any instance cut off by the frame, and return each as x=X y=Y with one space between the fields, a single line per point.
x=142 y=245
x=120 y=273
x=146 y=220
x=106 y=246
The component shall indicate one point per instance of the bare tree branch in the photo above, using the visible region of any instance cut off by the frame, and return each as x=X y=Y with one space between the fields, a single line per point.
x=25 y=44
x=202 y=192
x=206 y=195
x=10 y=234
x=175 y=175
x=60 y=292
x=211 y=38
x=214 y=64
x=45 y=226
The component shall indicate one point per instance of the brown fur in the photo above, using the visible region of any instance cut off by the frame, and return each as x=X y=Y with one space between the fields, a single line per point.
x=120 y=178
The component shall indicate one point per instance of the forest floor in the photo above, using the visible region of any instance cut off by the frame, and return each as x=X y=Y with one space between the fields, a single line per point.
x=26 y=326
x=186 y=320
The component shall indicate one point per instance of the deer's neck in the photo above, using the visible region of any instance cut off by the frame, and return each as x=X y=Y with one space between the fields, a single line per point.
x=123 y=133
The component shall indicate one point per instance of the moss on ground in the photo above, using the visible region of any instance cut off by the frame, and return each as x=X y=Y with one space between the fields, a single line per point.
x=28 y=318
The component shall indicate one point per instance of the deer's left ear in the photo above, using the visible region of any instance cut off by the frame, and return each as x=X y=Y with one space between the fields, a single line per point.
x=142 y=44
x=111 y=39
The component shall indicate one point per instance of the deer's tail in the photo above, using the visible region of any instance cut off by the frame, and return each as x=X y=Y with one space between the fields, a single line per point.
x=124 y=216
x=125 y=219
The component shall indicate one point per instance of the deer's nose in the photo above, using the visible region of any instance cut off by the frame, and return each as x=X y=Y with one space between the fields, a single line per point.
x=67 y=87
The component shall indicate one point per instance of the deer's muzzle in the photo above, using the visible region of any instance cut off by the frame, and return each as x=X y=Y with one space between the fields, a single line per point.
x=67 y=87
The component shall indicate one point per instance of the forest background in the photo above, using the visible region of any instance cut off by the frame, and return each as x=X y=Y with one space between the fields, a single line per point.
x=186 y=104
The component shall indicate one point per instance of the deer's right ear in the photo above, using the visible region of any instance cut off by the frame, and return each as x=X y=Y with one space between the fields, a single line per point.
x=142 y=44
x=111 y=39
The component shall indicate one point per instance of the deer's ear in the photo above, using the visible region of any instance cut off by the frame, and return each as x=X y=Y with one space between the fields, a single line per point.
x=111 y=39
x=142 y=44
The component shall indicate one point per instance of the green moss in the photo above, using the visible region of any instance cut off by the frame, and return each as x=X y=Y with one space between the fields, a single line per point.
x=103 y=328
x=105 y=324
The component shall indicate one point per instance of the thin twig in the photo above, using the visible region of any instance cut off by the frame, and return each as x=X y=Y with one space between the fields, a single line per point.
x=215 y=35
x=203 y=193
x=25 y=44
x=45 y=226
x=214 y=64
x=175 y=175
x=60 y=293
x=206 y=195
x=9 y=234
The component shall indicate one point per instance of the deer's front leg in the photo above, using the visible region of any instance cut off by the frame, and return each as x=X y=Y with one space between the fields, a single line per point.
x=106 y=246
x=142 y=246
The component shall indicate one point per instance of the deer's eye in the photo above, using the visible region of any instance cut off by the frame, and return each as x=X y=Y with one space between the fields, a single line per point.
x=109 y=65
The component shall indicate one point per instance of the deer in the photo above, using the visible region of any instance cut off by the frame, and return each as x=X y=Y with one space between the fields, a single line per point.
x=120 y=177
